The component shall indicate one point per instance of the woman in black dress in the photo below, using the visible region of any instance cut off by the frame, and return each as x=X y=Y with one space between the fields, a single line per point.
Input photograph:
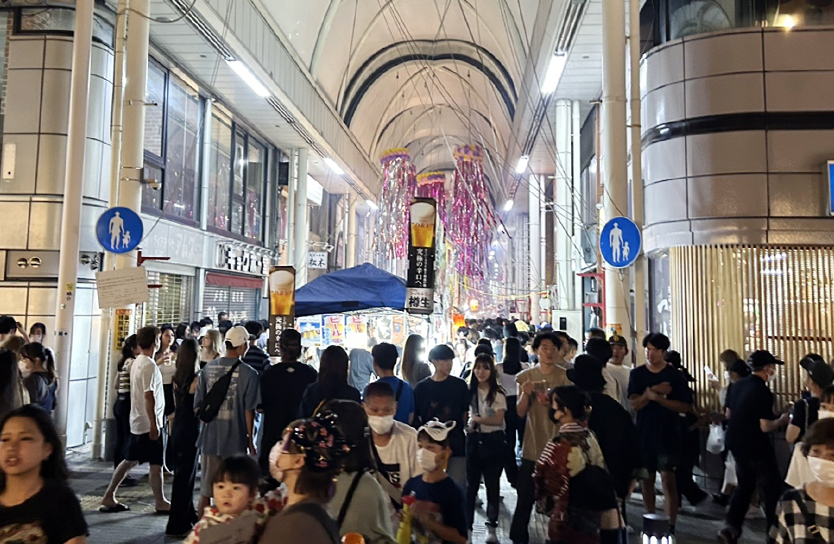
x=184 y=441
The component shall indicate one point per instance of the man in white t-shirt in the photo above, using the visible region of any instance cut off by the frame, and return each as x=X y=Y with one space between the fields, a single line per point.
x=396 y=442
x=147 y=410
x=618 y=370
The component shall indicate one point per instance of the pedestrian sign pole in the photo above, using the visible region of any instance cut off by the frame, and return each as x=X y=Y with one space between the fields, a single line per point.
x=620 y=243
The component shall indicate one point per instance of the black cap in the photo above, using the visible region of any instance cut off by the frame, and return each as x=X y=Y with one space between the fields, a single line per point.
x=587 y=373
x=761 y=358
x=819 y=371
x=618 y=340
x=441 y=352
x=739 y=367
x=599 y=348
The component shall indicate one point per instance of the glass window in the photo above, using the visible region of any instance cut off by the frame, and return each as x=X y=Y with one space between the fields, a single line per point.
x=238 y=183
x=155 y=93
x=220 y=164
x=255 y=179
x=182 y=154
x=151 y=198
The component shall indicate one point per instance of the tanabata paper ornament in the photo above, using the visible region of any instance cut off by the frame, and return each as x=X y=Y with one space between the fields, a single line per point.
x=471 y=219
x=399 y=183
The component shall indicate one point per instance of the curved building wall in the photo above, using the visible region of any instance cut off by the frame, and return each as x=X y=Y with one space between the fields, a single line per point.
x=737 y=127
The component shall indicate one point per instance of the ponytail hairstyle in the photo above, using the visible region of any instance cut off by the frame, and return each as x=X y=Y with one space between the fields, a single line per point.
x=38 y=351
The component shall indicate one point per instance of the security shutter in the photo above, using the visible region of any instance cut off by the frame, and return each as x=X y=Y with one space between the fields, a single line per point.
x=240 y=303
x=170 y=303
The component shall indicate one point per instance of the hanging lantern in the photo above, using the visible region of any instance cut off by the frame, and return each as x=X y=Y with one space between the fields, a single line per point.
x=471 y=220
x=433 y=185
x=398 y=186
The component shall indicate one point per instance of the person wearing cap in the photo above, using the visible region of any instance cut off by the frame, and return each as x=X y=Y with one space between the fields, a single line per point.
x=601 y=350
x=231 y=431
x=751 y=420
x=819 y=375
x=445 y=397
x=617 y=368
x=282 y=387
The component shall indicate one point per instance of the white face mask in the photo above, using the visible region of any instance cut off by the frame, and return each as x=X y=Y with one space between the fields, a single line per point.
x=274 y=471
x=427 y=460
x=381 y=424
x=825 y=414
x=771 y=377
x=823 y=470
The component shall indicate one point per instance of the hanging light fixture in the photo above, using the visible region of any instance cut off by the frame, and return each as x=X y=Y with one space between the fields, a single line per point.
x=398 y=186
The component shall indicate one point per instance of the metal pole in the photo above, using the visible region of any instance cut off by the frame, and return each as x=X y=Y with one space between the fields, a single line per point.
x=351 y=241
x=534 y=205
x=104 y=410
x=301 y=226
x=293 y=181
x=613 y=154
x=577 y=298
x=563 y=206
x=71 y=211
x=637 y=165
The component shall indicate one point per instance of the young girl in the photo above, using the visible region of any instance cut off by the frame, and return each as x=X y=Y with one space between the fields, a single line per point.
x=485 y=442
x=40 y=369
x=36 y=504
x=807 y=514
x=235 y=490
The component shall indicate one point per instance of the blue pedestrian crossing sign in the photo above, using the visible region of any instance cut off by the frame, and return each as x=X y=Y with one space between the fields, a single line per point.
x=620 y=242
x=119 y=230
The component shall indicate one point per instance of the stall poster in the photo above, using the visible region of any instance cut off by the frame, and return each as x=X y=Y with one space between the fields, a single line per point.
x=310 y=329
x=333 y=330
x=384 y=326
x=281 y=303
x=419 y=295
x=398 y=330
x=356 y=331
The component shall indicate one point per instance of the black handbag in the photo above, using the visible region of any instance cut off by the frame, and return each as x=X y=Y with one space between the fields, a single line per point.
x=592 y=489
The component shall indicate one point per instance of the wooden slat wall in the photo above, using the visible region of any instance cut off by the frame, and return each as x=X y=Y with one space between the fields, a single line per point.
x=747 y=298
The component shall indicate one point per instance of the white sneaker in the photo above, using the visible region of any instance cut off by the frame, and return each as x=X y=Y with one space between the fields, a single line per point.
x=491 y=538
x=755 y=512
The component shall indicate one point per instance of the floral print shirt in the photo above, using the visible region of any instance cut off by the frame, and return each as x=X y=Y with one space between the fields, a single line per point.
x=262 y=508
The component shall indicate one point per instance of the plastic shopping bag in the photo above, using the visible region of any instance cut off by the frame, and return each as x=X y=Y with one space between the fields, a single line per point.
x=715 y=441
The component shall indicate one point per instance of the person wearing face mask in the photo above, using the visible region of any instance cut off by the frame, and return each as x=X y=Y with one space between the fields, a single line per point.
x=751 y=420
x=805 y=413
x=394 y=441
x=384 y=360
x=806 y=515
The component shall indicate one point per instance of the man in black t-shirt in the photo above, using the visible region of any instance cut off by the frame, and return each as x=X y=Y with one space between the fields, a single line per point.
x=282 y=386
x=446 y=398
x=751 y=420
x=658 y=395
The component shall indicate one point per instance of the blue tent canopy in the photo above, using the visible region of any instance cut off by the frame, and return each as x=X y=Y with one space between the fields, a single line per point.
x=358 y=288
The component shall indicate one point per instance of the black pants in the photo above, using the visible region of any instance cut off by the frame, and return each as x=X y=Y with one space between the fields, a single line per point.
x=183 y=446
x=526 y=490
x=753 y=468
x=515 y=435
x=690 y=452
x=489 y=466
x=121 y=412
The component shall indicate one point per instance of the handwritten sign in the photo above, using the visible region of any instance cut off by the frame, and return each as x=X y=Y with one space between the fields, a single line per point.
x=117 y=288
x=333 y=332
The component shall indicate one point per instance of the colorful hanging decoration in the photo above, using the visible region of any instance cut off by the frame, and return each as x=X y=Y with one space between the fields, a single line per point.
x=433 y=185
x=399 y=184
x=472 y=219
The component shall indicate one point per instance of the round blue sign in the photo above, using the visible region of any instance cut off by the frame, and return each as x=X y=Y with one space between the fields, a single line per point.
x=119 y=230
x=620 y=242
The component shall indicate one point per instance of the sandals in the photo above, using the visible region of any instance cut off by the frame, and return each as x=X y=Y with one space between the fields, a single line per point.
x=118 y=507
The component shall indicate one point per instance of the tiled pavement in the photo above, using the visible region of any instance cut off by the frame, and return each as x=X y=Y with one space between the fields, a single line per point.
x=141 y=526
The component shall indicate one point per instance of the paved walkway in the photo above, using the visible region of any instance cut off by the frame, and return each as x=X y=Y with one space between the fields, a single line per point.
x=141 y=526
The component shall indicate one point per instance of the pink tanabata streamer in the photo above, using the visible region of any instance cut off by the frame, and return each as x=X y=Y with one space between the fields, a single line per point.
x=399 y=183
x=471 y=221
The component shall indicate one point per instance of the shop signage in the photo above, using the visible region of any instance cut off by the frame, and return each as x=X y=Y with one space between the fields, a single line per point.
x=281 y=303
x=239 y=259
x=316 y=260
x=419 y=297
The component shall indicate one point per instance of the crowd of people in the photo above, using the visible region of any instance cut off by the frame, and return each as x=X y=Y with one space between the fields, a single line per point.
x=396 y=445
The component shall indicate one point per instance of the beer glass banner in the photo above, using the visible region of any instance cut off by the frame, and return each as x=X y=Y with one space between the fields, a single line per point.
x=281 y=303
x=419 y=298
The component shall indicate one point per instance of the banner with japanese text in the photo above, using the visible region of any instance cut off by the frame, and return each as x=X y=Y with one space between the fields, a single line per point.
x=419 y=297
x=333 y=330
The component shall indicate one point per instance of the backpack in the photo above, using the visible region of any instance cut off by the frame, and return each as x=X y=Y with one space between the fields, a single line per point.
x=216 y=396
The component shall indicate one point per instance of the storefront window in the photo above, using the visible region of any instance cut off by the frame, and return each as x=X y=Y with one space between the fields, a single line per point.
x=255 y=177
x=183 y=150
x=220 y=164
x=238 y=183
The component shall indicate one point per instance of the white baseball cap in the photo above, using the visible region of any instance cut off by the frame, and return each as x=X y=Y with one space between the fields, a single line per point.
x=237 y=336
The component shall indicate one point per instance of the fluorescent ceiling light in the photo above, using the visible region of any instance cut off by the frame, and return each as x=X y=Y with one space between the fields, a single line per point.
x=371 y=204
x=508 y=205
x=248 y=77
x=521 y=167
x=315 y=192
x=554 y=73
x=333 y=166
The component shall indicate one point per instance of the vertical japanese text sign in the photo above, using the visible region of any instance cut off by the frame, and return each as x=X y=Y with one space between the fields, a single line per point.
x=419 y=297
x=281 y=303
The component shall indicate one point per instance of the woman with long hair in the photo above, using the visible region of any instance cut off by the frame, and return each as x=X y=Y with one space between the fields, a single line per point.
x=212 y=347
x=40 y=369
x=121 y=408
x=509 y=367
x=413 y=368
x=183 y=331
x=13 y=394
x=37 y=504
x=183 y=445
x=365 y=509
x=37 y=333
x=485 y=442
x=332 y=383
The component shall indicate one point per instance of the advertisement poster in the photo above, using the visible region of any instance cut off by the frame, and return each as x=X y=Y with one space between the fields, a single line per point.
x=398 y=331
x=281 y=303
x=356 y=331
x=333 y=330
x=310 y=329
x=419 y=295
x=383 y=328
